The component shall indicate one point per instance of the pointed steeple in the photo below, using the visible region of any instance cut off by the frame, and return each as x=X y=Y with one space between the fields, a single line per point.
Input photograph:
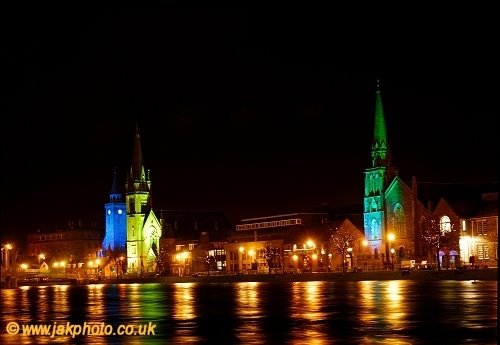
x=114 y=195
x=138 y=180
x=137 y=169
x=380 y=148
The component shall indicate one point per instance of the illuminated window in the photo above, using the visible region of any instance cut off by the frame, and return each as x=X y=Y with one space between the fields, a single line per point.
x=483 y=251
x=120 y=211
x=445 y=225
x=374 y=229
x=399 y=220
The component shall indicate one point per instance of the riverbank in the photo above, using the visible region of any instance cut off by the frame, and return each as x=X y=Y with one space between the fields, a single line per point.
x=489 y=274
x=482 y=274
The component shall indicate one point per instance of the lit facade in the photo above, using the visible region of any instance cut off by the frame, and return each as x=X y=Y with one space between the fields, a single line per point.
x=74 y=244
x=143 y=228
x=116 y=222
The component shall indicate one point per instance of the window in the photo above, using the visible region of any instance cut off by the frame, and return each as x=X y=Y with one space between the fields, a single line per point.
x=374 y=229
x=479 y=227
x=483 y=251
x=445 y=225
x=399 y=220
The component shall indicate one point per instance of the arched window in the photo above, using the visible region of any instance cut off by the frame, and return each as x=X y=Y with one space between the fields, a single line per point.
x=372 y=185
x=444 y=225
x=402 y=252
x=399 y=220
x=374 y=229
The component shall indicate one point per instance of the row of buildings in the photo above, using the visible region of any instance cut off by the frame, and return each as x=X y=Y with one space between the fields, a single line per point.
x=443 y=226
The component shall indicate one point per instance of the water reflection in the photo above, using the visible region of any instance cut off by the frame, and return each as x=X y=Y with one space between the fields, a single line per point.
x=183 y=312
x=306 y=313
x=248 y=310
x=366 y=312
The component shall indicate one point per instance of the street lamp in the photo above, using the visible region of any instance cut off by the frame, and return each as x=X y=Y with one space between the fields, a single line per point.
x=392 y=258
x=349 y=252
x=251 y=253
x=8 y=247
x=365 y=245
x=98 y=263
x=388 y=244
x=314 y=262
x=240 y=259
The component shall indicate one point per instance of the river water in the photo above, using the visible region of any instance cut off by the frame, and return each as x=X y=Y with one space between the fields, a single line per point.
x=316 y=312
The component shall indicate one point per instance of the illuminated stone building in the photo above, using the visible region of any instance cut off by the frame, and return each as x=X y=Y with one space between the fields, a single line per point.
x=78 y=242
x=143 y=228
x=391 y=208
x=193 y=242
x=479 y=233
x=116 y=222
x=279 y=243
x=397 y=224
x=473 y=216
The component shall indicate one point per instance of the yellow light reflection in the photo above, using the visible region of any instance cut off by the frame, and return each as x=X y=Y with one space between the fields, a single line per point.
x=248 y=310
x=183 y=308
x=61 y=301
x=134 y=302
x=95 y=305
x=394 y=301
x=306 y=308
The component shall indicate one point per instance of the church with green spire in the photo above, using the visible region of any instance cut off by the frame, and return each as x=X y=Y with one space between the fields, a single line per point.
x=392 y=212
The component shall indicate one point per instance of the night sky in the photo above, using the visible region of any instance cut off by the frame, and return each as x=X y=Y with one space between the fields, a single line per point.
x=244 y=111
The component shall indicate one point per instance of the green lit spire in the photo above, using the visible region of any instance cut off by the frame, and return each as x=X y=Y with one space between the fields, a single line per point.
x=380 y=148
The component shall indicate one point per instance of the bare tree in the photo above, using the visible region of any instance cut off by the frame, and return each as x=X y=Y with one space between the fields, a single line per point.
x=341 y=239
x=271 y=255
x=431 y=234
x=205 y=258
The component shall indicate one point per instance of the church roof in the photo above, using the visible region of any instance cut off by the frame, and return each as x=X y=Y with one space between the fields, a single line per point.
x=465 y=199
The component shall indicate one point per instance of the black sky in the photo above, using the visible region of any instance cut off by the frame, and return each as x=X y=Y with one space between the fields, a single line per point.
x=247 y=111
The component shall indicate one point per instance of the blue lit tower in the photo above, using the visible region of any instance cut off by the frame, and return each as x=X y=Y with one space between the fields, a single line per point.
x=377 y=177
x=116 y=221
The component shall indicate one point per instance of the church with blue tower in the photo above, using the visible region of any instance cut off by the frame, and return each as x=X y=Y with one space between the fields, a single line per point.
x=116 y=221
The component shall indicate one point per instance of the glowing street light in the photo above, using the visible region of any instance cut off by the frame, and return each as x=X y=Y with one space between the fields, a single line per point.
x=390 y=239
x=7 y=248
x=351 y=257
